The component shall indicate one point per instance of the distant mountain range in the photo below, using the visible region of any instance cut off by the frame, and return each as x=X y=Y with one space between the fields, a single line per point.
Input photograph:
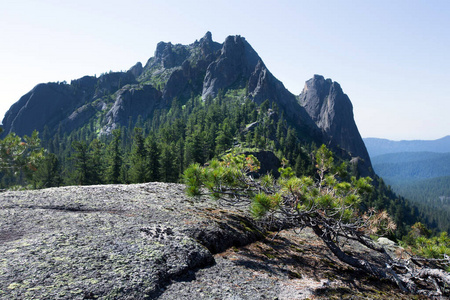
x=419 y=171
x=406 y=161
x=411 y=166
x=376 y=146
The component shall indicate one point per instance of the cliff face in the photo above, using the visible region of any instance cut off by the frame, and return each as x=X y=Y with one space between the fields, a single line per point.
x=234 y=66
x=60 y=104
x=131 y=103
x=43 y=105
x=332 y=112
x=322 y=114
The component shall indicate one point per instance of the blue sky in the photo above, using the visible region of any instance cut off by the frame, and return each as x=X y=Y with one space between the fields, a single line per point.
x=392 y=58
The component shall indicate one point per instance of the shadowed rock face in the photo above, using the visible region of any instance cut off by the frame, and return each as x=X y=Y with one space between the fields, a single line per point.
x=332 y=112
x=54 y=104
x=234 y=66
x=132 y=102
x=43 y=105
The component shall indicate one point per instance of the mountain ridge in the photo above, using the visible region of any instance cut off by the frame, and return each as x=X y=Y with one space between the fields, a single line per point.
x=378 y=146
x=176 y=71
x=410 y=166
x=421 y=173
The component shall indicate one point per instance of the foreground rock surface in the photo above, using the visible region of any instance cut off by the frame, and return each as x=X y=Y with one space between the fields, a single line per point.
x=150 y=241
x=109 y=241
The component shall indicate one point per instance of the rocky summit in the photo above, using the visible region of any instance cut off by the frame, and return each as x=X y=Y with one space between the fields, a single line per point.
x=150 y=241
x=332 y=112
x=322 y=113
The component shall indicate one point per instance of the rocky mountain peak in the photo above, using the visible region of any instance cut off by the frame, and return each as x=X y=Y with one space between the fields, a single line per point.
x=236 y=46
x=162 y=48
x=234 y=66
x=332 y=111
x=315 y=98
x=207 y=46
x=207 y=38
x=136 y=70
x=322 y=113
x=170 y=55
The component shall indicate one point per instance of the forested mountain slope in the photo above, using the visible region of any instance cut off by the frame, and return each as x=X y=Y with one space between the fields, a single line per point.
x=189 y=104
x=181 y=72
x=410 y=166
x=418 y=175
x=432 y=196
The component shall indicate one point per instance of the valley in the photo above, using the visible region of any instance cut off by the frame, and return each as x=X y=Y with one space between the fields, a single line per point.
x=418 y=171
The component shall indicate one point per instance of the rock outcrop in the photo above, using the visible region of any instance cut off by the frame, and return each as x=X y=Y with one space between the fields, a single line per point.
x=136 y=70
x=233 y=67
x=323 y=114
x=148 y=241
x=332 y=112
x=43 y=105
x=54 y=104
x=131 y=103
x=109 y=242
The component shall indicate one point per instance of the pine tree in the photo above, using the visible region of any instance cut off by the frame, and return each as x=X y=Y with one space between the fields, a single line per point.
x=97 y=162
x=139 y=171
x=82 y=163
x=224 y=138
x=113 y=172
x=194 y=147
x=154 y=154
x=48 y=173
x=19 y=157
x=169 y=163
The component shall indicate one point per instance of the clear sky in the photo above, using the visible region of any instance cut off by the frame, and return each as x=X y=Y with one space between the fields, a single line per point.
x=392 y=58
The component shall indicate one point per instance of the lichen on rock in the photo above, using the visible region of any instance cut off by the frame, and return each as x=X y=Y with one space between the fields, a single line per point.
x=110 y=241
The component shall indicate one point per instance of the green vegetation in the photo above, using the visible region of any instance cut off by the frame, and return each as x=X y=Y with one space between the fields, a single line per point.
x=423 y=178
x=327 y=204
x=194 y=131
x=398 y=168
x=432 y=197
x=20 y=158
x=160 y=148
x=324 y=200
x=420 y=242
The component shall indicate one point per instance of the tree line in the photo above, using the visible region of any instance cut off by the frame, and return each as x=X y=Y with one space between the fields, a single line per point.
x=162 y=146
